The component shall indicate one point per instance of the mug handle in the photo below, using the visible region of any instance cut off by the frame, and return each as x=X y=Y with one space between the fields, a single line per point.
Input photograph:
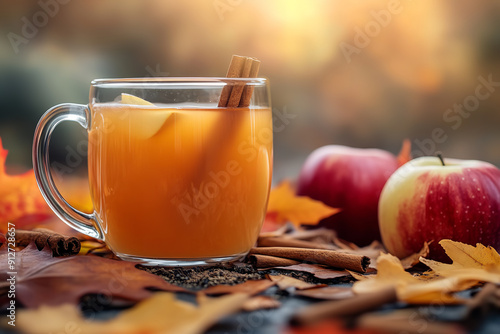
x=80 y=221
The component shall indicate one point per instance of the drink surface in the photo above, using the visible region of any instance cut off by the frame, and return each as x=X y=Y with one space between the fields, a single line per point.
x=180 y=183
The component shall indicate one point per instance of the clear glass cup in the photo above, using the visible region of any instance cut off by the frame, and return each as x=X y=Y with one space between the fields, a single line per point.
x=174 y=179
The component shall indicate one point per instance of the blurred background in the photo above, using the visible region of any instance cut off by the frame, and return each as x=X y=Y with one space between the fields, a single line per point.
x=359 y=73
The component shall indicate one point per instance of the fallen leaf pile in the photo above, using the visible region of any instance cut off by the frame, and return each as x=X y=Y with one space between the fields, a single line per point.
x=468 y=261
x=162 y=313
x=321 y=238
x=471 y=265
x=45 y=280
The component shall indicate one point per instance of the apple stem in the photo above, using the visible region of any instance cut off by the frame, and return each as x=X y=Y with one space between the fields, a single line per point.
x=441 y=158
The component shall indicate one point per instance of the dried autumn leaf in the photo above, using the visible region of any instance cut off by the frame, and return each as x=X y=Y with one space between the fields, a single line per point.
x=414 y=258
x=285 y=206
x=284 y=282
x=251 y=288
x=390 y=273
x=471 y=265
x=464 y=257
x=372 y=251
x=317 y=270
x=326 y=293
x=162 y=313
x=260 y=303
x=20 y=199
x=45 y=280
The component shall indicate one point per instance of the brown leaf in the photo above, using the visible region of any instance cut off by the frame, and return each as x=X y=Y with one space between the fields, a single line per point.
x=252 y=287
x=162 y=313
x=372 y=251
x=317 y=270
x=284 y=282
x=414 y=259
x=260 y=303
x=331 y=292
x=45 y=280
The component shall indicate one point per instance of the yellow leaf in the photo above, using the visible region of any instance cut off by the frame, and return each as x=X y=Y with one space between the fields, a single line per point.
x=471 y=265
x=162 y=313
x=285 y=206
x=390 y=272
x=411 y=289
x=464 y=256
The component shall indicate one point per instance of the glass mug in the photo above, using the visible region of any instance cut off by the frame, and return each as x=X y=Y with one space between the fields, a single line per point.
x=174 y=179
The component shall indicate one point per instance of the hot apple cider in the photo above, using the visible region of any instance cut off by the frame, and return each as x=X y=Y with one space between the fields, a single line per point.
x=179 y=182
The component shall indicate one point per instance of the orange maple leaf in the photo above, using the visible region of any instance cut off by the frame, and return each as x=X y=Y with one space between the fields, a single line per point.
x=285 y=206
x=20 y=199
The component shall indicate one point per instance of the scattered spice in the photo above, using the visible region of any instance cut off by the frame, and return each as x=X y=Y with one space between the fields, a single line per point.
x=203 y=277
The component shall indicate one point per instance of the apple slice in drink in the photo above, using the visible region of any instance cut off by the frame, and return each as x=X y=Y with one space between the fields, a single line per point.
x=146 y=122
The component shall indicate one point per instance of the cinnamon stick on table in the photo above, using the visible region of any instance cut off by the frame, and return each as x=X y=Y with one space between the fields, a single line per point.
x=390 y=324
x=59 y=244
x=266 y=261
x=342 y=308
x=331 y=258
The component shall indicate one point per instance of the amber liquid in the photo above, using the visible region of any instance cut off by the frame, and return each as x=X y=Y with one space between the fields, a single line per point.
x=180 y=183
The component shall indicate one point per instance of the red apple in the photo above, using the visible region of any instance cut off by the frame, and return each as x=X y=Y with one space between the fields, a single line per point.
x=425 y=200
x=350 y=179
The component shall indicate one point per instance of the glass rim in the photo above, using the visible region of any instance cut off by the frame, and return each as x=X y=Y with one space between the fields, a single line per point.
x=110 y=82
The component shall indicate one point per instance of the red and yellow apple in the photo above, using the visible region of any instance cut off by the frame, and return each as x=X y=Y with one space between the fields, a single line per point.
x=350 y=179
x=430 y=200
